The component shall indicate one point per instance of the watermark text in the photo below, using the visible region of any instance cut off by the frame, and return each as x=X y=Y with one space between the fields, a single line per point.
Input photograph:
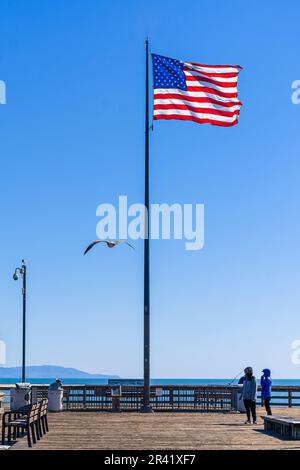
x=167 y=221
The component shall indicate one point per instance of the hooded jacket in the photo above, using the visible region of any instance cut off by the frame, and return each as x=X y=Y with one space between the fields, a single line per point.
x=266 y=384
x=249 y=389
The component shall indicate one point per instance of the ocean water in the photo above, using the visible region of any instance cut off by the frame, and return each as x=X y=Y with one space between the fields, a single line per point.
x=283 y=382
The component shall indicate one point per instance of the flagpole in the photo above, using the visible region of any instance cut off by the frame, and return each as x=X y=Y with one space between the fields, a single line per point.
x=146 y=407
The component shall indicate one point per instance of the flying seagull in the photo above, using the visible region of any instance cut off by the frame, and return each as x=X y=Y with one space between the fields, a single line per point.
x=109 y=244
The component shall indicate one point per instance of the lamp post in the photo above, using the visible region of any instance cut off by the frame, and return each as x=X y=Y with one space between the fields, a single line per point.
x=22 y=272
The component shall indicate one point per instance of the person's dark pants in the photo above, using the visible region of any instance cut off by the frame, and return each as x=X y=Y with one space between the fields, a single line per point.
x=250 y=406
x=267 y=405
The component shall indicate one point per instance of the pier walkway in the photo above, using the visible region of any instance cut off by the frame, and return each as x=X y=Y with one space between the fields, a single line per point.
x=112 y=431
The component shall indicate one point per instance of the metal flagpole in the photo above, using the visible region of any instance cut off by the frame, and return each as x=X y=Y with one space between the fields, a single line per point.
x=146 y=407
x=24 y=271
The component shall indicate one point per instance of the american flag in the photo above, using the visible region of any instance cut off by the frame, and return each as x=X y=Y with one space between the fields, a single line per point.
x=195 y=92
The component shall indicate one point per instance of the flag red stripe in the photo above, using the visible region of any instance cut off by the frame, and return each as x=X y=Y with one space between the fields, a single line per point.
x=212 y=90
x=192 y=118
x=238 y=67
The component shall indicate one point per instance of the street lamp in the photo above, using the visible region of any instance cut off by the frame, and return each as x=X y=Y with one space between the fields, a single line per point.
x=109 y=244
x=22 y=272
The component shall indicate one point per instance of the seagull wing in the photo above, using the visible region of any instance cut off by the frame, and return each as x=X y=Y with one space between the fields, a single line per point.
x=91 y=245
x=129 y=245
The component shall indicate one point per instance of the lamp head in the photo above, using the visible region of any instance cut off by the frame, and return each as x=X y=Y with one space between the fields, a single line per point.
x=15 y=276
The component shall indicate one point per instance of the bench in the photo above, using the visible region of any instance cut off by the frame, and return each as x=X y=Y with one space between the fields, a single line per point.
x=30 y=418
x=283 y=425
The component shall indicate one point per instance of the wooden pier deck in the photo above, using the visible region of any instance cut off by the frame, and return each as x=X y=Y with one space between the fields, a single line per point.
x=130 y=431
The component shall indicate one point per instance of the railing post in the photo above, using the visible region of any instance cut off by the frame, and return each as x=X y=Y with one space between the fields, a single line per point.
x=171 y=398
x=233 y=404
x=290 y=399
x=84 y=396
x=67 y=397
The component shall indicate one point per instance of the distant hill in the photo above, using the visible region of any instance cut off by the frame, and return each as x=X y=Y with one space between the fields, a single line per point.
x=48 y=371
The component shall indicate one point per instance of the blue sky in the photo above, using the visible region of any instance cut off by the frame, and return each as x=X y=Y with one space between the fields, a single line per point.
x=72 y=137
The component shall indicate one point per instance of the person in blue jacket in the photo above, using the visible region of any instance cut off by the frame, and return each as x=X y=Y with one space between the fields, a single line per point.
x=266 y=389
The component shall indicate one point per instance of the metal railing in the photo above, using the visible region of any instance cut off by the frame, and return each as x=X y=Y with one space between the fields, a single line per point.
x=210 y=398
x=162 y=398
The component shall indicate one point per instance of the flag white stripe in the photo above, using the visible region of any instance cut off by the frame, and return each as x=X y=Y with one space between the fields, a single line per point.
x=194 y=104
x=195 y=94
x=211 y=85
x=216 y=79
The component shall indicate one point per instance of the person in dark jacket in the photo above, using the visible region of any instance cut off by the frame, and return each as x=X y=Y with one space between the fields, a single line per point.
x=266 y=389
x=249 y=392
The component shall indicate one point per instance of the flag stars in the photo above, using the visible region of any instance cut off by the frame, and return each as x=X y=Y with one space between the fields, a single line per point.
x=168 y=73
